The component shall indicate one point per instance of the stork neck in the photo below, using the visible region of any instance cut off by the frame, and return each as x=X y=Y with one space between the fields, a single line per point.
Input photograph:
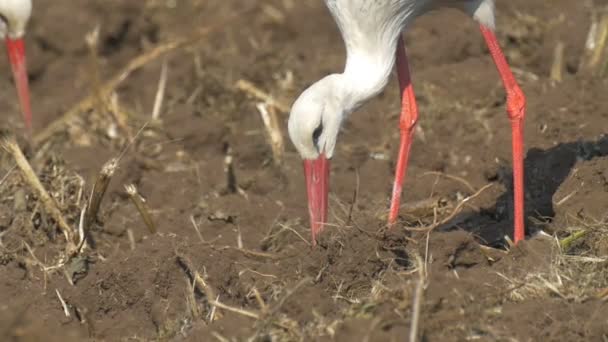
x=366 y=75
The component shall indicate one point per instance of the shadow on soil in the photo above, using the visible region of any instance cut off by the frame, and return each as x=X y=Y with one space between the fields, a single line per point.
x=545 y=172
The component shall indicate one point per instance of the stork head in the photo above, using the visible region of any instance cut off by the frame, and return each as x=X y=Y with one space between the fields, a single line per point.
x=14 y=15
x=314 y=123
x=316 y=117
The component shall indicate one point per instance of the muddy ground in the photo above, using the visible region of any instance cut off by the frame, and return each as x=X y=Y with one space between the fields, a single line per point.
x=231 y=260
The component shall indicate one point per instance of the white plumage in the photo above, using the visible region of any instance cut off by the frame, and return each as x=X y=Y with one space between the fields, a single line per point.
x=14 y=15
x=370 y=29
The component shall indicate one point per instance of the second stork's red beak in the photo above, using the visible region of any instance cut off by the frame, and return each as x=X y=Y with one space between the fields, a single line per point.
x=317 y=188
x=16 y=56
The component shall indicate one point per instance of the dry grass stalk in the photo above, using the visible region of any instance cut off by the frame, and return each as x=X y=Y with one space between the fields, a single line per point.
x=219 y=337
x=452 y=177
x=295 y=232
x=195 y=311
x=243 y=312
x=231 y=185
x=275 y=137
x=260 y=300
x=213 y=310
x=455 y=212
x=119 y=115
x=10 y=145
x=160 y=92
x=81 y=230
x=92 y=40
x=8 y=173
x=66 y=311
x=596 y=59
x=595 y=45
x=274 y=13
x=272 y=238
x=247 y=269
x=198 y=281
x=198 y=231
x=492 y=254
x=558 y=62
x=509 y=242
x=290 y=292
x=417 y=300
x=253 y=254
x=256 y=92
x=103 y=103
x=131 y=238
x=566 y=198
x=98 y=192
x=141 y=206
x=572 y=278
x=136 y=63
x=43 y=266
x=239 y=237
x=423 y=208
x=534 y=285
x=204 y=287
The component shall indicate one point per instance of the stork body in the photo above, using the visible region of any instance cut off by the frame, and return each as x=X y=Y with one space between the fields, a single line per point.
x=371 y=31
x=14 y=15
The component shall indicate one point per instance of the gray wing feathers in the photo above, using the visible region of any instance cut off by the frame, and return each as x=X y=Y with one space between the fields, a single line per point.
x=366 y=23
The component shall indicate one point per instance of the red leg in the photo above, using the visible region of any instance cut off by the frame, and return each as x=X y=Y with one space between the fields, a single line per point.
x=516 y=108
x=407 y=122
x=16 y=55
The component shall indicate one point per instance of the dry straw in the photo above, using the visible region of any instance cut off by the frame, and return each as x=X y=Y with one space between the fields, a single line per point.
x=273 y=131
x=98 y=192
x=136 y=63
x=50 y=206
x=141 y=206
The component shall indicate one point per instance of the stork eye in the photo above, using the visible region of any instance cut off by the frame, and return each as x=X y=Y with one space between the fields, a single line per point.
x=317 y=133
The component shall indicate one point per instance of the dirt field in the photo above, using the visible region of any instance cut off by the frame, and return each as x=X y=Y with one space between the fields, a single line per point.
x=231 y=259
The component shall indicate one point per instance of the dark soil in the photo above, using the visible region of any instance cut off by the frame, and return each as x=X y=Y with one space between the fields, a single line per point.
x=251 y=251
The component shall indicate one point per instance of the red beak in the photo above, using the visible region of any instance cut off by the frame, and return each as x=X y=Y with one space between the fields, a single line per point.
x=317 y=180
x=16 y=56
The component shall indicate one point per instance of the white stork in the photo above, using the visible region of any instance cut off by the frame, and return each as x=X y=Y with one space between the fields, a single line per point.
x=371 y=30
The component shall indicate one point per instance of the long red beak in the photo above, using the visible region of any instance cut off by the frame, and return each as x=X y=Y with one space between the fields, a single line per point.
x=16 y=56
x=317 y=187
